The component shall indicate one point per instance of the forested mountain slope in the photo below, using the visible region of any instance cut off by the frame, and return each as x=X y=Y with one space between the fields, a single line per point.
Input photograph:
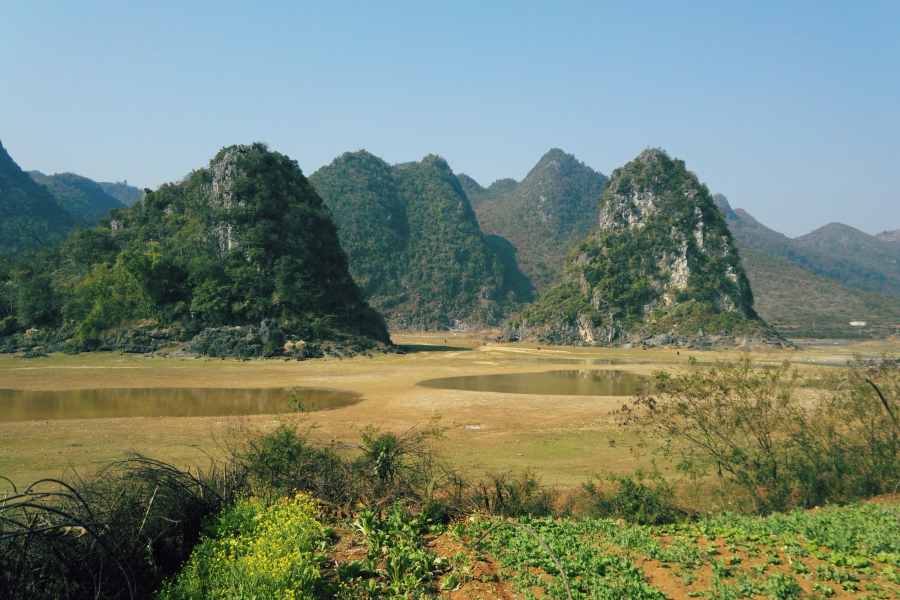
x=29 y=214
x=121 y=191
x=242 y=242
x=83 y=198
x=544 y=215
x=800 y=304
x=413 y=242
x=660 y=268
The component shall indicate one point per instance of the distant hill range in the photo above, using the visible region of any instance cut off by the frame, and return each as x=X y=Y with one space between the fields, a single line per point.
x=814 y=285
x=414 y=244
x=30 y=215
x=892 y=237
x=836 y=251
x=40 y=210
x=434 y=250
x=121 y=191
x=83 y=198
x=540 y=219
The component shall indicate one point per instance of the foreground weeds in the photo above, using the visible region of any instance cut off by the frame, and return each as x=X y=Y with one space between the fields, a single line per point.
x=114 y=535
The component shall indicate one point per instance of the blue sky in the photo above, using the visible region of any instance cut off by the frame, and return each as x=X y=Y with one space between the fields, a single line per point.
x=791 y=109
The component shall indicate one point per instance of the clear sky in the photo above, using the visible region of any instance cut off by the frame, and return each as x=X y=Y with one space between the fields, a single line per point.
x=791 y=109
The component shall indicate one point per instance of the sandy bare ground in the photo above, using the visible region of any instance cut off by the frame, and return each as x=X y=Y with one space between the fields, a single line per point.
x=563 y=438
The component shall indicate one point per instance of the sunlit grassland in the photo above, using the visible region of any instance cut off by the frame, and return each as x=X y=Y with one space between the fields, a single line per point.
x=564 y=439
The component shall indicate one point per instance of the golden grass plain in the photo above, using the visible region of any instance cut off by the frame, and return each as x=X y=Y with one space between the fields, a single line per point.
x=564 y=439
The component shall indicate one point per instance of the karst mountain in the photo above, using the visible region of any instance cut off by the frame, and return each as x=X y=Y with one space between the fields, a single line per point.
x=541 y=218
x=414 y=243
x=244 y=245
x=659 y=268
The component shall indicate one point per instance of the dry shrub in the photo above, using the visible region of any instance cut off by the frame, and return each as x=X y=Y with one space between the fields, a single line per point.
x=752 y=429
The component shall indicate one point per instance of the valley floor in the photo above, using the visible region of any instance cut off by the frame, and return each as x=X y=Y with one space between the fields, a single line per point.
x=564 y=439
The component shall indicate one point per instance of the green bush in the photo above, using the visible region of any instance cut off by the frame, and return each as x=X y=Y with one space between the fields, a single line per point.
x=513 y=495
x=634 y=501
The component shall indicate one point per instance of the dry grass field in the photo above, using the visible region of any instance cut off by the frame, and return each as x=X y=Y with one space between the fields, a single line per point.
x=564 y=439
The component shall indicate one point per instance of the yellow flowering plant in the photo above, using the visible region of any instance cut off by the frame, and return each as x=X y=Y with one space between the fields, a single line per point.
x=255 y=551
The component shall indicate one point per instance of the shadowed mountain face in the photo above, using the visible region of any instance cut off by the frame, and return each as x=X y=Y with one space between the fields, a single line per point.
x=28 y=212
x=542 y=217
x=83 y=198
x=661 y=262
x=835 y=251
x=414 y=244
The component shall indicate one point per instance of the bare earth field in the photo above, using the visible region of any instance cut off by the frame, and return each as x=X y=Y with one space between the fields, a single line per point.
x=564 y=439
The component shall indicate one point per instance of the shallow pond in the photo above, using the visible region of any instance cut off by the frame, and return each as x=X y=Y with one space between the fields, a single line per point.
x=28 y=405
x=565 y=383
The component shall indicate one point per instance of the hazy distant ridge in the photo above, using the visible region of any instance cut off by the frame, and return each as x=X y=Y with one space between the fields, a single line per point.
x=836 y=251
x=82 y=197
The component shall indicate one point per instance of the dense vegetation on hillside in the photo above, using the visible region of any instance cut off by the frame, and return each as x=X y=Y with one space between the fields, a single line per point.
x=478 y=194
x=244 y=240
x=799 y=304
x=835 y=251
x=413 y=242
x=662 y=258
x=544 y=216
x=30 y=216
x=83 y=198
x=121 y=191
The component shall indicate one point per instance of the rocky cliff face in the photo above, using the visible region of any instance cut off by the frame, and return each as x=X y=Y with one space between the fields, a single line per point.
x=660 y=268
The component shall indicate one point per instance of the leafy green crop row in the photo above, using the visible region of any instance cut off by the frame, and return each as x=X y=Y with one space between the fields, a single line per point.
x=854 y=548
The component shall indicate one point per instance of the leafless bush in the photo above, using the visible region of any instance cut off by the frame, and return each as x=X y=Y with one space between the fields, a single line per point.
x=754 y=431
